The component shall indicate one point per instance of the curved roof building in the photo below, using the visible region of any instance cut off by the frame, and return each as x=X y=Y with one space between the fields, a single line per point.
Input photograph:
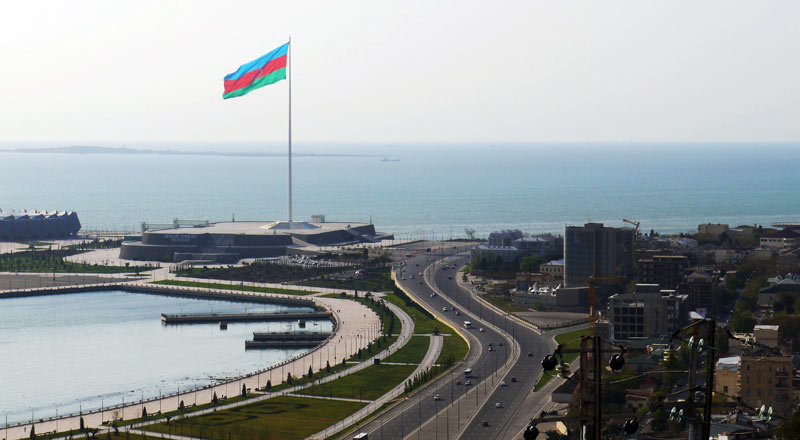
x=29 y=225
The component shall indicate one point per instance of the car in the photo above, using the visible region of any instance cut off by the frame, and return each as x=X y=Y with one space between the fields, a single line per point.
x=490 y=344
x=449 y=277
x=417 y=264
x=432 y=294
x=411 y=277
x=513 y=379
x=485 y=423
x=403 y=278
x=480 y=329
x=420 y=281
x=498 y=405
x=458 y=382
x=437 y=397
x=444 y=309
x=502 y=383
x=500 y=343
x=490 y=348
x=467 y=383
x=458 y=313
x=530 y=354
x=420 y=274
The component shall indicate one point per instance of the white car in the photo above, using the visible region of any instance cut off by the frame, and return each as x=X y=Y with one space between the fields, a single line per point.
x=444 y=309
x=498 y=405
x=437 y=397
x=480 y=329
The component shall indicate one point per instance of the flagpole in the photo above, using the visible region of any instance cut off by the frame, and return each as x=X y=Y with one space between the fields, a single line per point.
x=289 y=63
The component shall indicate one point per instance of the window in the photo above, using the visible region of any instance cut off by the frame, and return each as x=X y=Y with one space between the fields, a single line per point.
x=725 y=389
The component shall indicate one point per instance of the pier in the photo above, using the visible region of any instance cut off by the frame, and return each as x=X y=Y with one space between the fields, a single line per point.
x=210 y=318
x=286 y=339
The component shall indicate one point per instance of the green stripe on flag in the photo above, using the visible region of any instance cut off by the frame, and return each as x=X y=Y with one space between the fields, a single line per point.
x=258 y=83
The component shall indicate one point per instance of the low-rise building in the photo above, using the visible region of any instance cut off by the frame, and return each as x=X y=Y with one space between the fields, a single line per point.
x=646 y=312
x=554 y=268
x=714 y=229
x=699 y=287
x=785 y=238
x=767 y=335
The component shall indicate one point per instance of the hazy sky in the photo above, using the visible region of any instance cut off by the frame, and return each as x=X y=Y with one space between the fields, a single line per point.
x=410 y=71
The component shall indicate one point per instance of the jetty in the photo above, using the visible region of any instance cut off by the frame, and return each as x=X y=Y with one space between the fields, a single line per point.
x=286 y=339
x=212 y=318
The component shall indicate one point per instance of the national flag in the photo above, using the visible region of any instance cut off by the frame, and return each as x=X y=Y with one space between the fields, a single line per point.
x=258 y=73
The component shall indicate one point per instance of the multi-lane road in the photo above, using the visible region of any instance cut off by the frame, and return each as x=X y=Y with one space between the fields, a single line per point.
x=501 y=380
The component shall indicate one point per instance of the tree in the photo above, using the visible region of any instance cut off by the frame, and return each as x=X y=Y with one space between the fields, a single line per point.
x=310 y=372
x=269 y=385
x=288 y=378
x=790 y=428
x=144 y=412
x=214 y=398
x=33 y=432
x=328 y=366
x=742 y=319
x=81 y=424
x=181 y=406
x=531 y=263
x=244 y=390
x=470 y=233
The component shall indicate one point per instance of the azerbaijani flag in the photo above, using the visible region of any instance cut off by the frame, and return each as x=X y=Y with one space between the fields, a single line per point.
x=258 y=73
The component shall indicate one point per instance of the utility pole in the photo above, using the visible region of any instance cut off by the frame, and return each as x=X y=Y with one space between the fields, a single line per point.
x=710 y=364
x=597 y=396
x=692 y=381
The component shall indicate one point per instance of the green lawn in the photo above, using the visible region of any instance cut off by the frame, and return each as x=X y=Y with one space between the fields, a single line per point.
x=376 y=280
x=422 y=322
x=204 y=285
x=369 y=383
x=571 y=340
x=454 y=348
x=374 y=349
x=283 y=418
x=413 y=352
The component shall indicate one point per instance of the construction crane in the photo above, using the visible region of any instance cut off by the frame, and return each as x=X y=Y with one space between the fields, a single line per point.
x=592 y=281
x=635 y=224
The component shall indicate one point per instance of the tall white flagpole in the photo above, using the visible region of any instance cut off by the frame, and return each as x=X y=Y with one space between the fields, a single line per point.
x=289 y=64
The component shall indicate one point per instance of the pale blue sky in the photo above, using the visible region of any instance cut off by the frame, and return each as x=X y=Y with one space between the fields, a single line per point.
x=412 y=71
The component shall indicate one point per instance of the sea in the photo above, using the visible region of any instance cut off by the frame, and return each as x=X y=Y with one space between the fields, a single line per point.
x=434 y=190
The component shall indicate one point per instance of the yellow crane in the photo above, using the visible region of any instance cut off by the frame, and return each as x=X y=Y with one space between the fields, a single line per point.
x=635 y=224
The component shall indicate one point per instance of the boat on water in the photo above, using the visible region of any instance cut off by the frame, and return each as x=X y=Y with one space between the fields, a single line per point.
x=386 y=159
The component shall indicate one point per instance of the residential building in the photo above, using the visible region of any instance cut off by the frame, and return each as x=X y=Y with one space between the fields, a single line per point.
x=593 y=250
x=545 y=246
x=767 y=381
x=505 y=254
x=727 y=374
x=646 y=312
x=699 y=287
x=785 y=238
x=767 y=296
x=505 y=237
x=664 y=270
x=510 y=245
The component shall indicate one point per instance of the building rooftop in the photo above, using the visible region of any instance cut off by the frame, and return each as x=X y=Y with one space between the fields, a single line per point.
x=783 y=233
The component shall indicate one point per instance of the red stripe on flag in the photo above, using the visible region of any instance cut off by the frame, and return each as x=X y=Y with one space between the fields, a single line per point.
x=248 y=78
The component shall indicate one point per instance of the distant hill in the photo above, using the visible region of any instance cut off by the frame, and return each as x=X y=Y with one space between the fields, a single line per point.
x=79 y=149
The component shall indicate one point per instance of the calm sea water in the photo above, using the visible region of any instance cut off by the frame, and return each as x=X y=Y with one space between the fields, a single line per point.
x=78 y=349
x=439 y=189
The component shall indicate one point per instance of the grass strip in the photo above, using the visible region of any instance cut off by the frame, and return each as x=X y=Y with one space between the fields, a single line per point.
x=570 y=340
x=283 y=417
x=238 y=287
x=454 y=348
x=413 y=352
x=367 y=384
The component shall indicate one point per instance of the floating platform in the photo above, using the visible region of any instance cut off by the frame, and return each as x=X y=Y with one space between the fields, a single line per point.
x=286 y=339
x=211 y=318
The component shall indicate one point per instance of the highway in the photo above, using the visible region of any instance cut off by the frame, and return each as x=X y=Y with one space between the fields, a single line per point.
x=453 y=416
